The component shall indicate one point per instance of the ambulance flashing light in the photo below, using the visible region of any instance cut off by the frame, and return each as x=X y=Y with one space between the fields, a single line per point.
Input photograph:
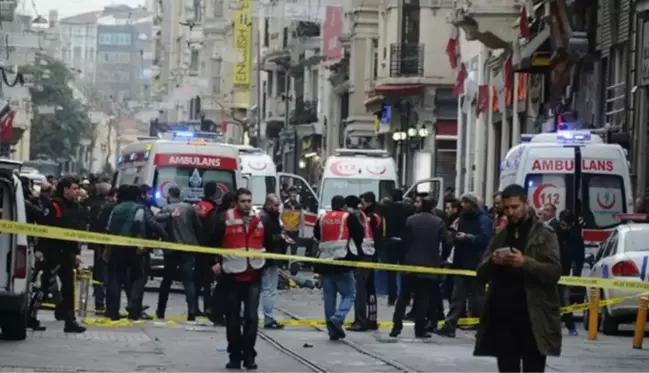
x=561 y=137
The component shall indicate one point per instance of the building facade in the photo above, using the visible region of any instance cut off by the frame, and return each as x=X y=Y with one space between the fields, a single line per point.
x=78 y=44
x=123 y=53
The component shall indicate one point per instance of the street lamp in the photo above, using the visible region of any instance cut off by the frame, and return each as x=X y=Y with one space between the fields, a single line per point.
x=399 y=136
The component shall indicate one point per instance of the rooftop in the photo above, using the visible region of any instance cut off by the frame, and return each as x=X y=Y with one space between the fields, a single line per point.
x=83 y=18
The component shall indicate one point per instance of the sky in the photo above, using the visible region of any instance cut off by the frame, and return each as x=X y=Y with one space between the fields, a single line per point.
x=69 y=8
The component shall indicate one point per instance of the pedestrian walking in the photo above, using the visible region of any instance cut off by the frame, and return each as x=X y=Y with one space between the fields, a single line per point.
x=521 y=324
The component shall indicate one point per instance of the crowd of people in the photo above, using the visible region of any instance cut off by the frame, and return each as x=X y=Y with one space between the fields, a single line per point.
x=519 y=253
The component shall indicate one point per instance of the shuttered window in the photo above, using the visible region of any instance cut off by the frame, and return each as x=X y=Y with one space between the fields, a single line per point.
x=604 y=30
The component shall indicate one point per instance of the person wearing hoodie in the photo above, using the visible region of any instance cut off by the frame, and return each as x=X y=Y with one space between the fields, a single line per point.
x=474 y=231
x=185 y=228
x=123 y=263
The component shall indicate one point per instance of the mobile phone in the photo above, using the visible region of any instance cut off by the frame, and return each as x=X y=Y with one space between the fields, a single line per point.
x=503 y=251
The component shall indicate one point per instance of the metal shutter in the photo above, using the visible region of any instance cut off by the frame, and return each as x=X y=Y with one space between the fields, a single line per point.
x=605 y=41
x=446 y=166
x=623 y=22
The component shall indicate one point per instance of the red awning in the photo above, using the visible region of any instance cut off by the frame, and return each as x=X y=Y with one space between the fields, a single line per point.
x=398 y=87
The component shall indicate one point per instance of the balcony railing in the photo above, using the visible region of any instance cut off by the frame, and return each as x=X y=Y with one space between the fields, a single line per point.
x=406 y=60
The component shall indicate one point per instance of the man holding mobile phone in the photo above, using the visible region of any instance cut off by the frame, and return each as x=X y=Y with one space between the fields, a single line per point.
x=521 y=324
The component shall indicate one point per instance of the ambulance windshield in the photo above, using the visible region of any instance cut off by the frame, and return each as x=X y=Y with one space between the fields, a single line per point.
x=603 y=195
x=345 y=186
x=191 y=181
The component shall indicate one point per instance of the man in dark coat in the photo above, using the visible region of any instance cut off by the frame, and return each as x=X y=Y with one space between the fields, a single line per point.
x=424 y=234
x=521 y=319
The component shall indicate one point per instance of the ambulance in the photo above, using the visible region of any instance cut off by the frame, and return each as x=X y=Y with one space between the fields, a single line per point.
x=545 y=165
x=185 y=161
x=357 y=171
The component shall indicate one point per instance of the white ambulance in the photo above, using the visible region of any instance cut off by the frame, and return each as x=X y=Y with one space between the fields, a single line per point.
x=186 y=163
x=261 y=171
x=545 y=165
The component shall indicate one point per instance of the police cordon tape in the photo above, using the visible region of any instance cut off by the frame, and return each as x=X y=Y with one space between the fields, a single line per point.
x=41 y=231
x=174 y=320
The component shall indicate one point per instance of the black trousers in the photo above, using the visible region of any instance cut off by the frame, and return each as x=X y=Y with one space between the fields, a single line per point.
x=175 y=261
x=62 y=265
x=465 y=289
x=203 y=279
x=422 y=289
x=365 y=309
x=126 y=272
x=241 y=342
x=99 y=275
x=530 y=363
x=392 y=256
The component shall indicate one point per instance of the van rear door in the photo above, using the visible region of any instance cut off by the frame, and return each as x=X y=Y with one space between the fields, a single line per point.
x=7 y=211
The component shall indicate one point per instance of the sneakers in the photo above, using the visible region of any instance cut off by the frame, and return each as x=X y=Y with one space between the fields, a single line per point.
x=273 y=325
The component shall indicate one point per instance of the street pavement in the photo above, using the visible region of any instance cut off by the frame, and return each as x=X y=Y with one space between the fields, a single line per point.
x=200 y=348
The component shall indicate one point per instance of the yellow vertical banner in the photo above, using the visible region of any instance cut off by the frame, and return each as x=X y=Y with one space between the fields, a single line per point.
x=242 y=20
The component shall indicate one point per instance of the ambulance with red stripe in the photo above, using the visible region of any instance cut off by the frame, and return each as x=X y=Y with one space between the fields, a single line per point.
x=187 y=164
x=545 y=165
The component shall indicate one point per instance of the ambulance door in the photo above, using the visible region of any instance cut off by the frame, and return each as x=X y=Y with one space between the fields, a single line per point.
x=433 y=186
x=307 y=199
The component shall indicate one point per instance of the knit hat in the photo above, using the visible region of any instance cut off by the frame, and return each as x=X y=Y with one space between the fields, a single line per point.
x=471 y=197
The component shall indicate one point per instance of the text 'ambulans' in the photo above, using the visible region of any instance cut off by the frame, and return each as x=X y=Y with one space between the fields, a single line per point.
x=569 y=165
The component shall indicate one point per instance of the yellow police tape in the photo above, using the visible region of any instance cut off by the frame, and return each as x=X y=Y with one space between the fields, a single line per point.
x=107 y=239
x=174 y=320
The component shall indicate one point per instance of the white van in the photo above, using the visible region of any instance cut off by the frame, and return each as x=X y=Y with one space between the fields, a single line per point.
x=545 y=166
x=16 y=257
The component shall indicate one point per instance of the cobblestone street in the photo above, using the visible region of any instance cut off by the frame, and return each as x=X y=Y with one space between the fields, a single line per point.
x=197 y=347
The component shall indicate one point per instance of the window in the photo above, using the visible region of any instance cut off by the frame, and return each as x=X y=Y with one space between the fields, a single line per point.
x=603 y=193
x=115 y=57
x=91 y=53
x=266 y=32
x=217 y=8
x=611 y=245
x=190 y=181
x=198 y=12
x=115 y=39
x=194 y=61
x=346 y=186
x=261 y=186
x=314 y=86
x=77 y=53
x=375 y=59
x=410 y=23
x=285 y=37
x=263 y=101
x=216 y=76
x=281 y=83
x=271 y=77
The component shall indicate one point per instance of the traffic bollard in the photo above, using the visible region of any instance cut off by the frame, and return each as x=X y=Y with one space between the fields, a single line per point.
x=640 y=322
x=593 y=314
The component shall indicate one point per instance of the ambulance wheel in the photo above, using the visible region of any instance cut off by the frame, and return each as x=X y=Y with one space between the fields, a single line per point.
x=14 y=327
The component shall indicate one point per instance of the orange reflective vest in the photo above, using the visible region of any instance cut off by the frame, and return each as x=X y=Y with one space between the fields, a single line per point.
x=242 y=238
x=334 y=236
x=368 y=238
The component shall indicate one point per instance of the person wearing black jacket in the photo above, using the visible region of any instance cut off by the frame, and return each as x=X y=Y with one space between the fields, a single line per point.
x=207 y=211
x=571 y=250
x=62 y=257
x=337 y=279
x=425 y=233
x=217 y=317
x=395 y=221
x=98 y=203
x=276 y=243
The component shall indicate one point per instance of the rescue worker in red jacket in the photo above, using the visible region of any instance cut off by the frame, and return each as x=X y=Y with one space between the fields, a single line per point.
x=241 y=231
x=340 y=237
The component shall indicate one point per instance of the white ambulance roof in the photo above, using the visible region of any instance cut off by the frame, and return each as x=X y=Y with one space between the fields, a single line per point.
x=360 y=164
x=257 y=163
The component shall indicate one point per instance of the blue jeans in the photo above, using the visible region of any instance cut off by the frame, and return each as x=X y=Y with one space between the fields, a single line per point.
x=269 y=279
x=342 y=283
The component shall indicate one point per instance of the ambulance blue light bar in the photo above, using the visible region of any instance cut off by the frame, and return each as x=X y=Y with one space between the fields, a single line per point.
x=527 y=137
x=573 y=136
x=183 y=134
